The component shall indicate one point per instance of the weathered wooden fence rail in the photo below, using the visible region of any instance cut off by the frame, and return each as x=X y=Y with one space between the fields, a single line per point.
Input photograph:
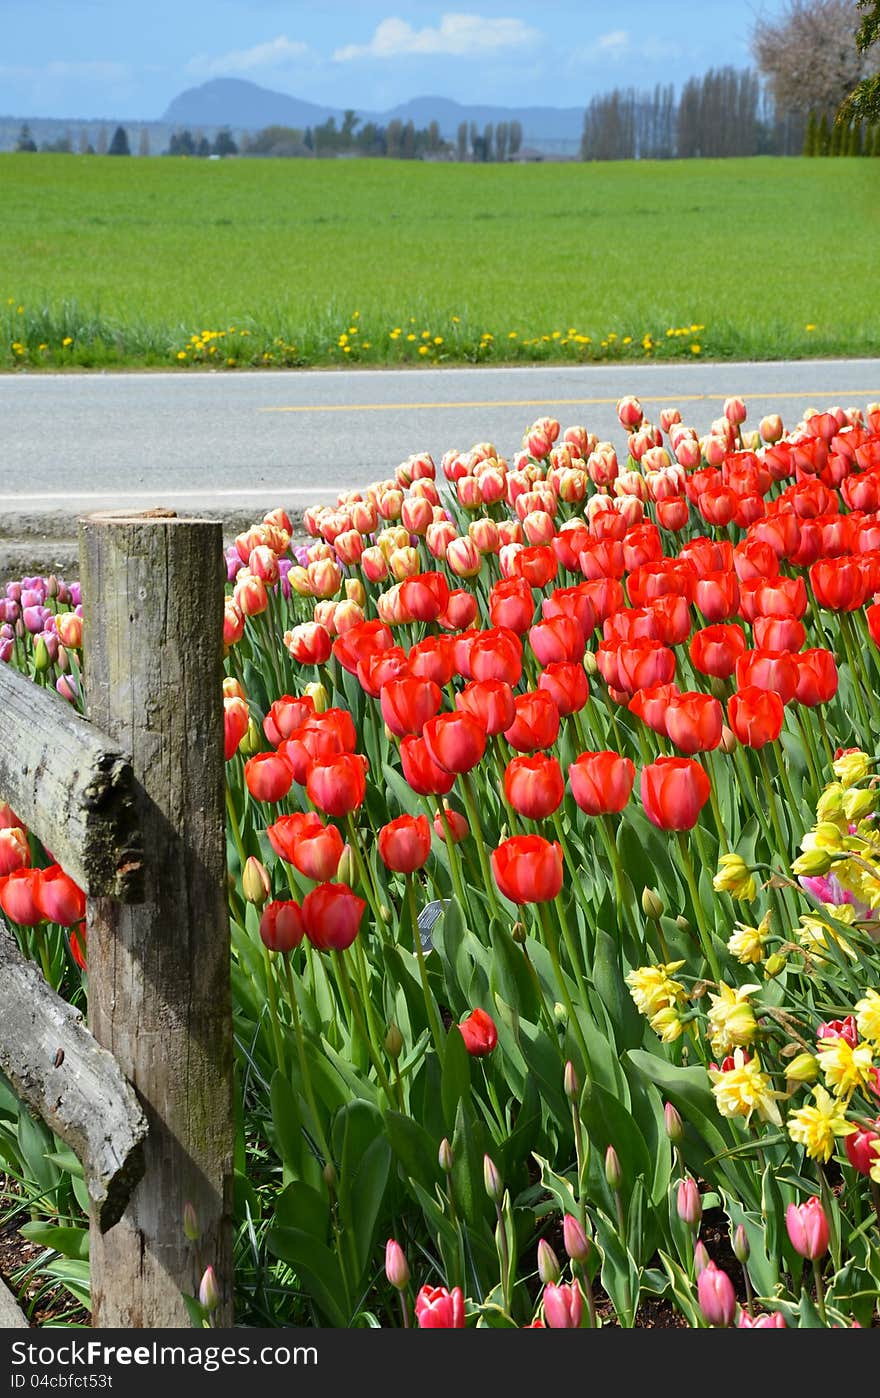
x=131 y=805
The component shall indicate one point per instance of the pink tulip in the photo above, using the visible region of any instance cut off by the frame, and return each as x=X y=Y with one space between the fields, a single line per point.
x=563 y=1306
x=716 y=1296
x=808 y=1228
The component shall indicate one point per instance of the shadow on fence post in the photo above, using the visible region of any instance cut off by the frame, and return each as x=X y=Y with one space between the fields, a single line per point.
x=159 y=977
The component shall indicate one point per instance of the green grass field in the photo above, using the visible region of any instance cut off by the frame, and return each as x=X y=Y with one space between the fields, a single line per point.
x=114 y=261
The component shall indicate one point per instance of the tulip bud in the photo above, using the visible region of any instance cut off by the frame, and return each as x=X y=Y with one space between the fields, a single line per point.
x=612 y=1169
x=518 y=933
x=652 y=904
x=774 y=965
x=729 y=741
x=688 y=1203
x=393 y=1041
x=41 y=655
x=701 y=1258
x=444 y=1156
x=771 y=428
x=683 y=925
x=190 y=1223
x=549 y=1269
x=255 y=882
x=560 y=1014
x=318 y=695
x=251 y=742
x=355 y=592
x=492 y=1180
x=329 y=1175
x=577 y=1244
x=803 y=1068
x=396 y=1265
x=741 y=1249
x=571 y=1084
x=209 y=1292
x=674 y=1124
x=590 y=663
x=345 y=869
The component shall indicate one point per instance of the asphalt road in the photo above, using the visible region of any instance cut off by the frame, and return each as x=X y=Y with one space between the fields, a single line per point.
x=231 y=445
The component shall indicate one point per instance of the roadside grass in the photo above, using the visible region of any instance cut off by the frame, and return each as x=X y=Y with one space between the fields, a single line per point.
x=158 y=262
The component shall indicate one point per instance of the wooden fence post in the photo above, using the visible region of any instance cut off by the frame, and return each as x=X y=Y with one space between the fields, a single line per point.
x=159 y=976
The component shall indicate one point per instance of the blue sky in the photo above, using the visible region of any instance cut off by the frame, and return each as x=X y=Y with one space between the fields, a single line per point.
x=85 y=58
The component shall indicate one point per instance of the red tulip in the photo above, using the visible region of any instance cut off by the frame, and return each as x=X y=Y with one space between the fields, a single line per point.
x=559 y=638
x=674 y=790
x=673 y=513
x=573 y=602
x=537 y=565
x=567 y=685
x=490 y=702
x=768 y=669
x=641 y=664
x=236 y=718
x=454 y=828
x=286 y=832
x=408 y=703
x=528 y=869
x=286 y=715
x=433 y=659
x=405 y=843
x=425 y=596
x=807 y=1228
x=778 y=597
x=479 y=1033
x=281 y=926
x=455 y=741
x=536 y=722
x=15 y=852
x=778 y=633
x=533 y=785
x=381 y=668
x=601 y=782
x=496 y=655
x=439 y=1309
x=19 y=897
x=309 y=643
x=863 y=1148
x=817 y=677
x=310 y=744
x=873 y=616
x=672 y=618
x=650 y=705
x=606 y=596
x=716 y=649
x=268 y=777
x=58 y=898
x=838 y=584
x=332 y=915
x=461 y=610
x=366 y=639
x=317 y=850
x=512 y=605
x=422 y=773
x=756 y=716
x=716 y=595
x=694 y=722
x=337 y=785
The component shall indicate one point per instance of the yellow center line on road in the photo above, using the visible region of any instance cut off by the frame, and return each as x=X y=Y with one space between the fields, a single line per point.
x=565 y=402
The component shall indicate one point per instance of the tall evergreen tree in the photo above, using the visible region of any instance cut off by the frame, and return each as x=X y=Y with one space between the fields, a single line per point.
x=811 y=140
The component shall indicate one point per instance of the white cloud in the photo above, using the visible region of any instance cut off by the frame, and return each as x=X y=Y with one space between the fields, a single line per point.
x=273 y=54
x=614 y=43
x=457 y=35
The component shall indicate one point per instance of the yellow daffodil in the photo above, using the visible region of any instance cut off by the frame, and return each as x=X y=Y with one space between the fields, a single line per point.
x=733 y=877
x=747 y=943
x=815 y=1128
x=868 y=1017
x=852 y=766
x=744 y=1089
x=845 y=1068
x=731 y=1020
x=652 y=988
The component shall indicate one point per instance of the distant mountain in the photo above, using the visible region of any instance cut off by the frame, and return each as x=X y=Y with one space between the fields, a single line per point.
x=233 y=102
x=247 y=106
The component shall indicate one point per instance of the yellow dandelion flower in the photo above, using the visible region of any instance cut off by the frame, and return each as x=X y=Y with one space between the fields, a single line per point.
x=696 y=349
x=846 y=1069
x=627 y=340
x=365 y=345
x=744 y=1089
x=424 y=349
x=68 y=340
x=810 y=327
x=815 y=1128
x=868 y=1017
x=346 y=349
x=181 y=354
x=438 y=339
x=456 y=320
x=426 y=334
x=410 y=336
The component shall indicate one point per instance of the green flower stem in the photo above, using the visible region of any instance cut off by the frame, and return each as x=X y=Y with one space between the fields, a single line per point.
x=303 y=1061
x=699 y=912
x=431 y=1010
x=364 y=876
x=782 y=840
x=452 y=852
x=477 y=829
x=570 y=861
x=820 y=1291
x=503 y=1256
x=713 y=773
x=236 y=832
x=272 y=999
x=809 y=750
x=357 y=1017
x=823 y=729
x=501 y=767
x=856 y=673
x=551 y=941
x=621 y=1230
